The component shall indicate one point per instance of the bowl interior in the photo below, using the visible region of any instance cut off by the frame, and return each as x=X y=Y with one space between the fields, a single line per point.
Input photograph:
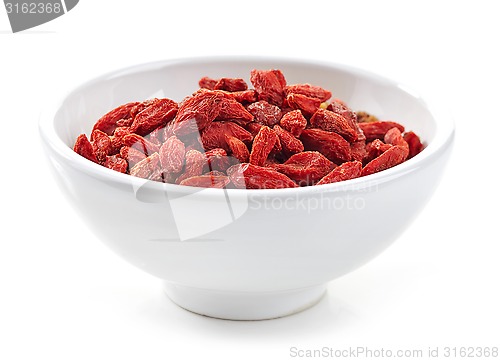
x=176 y=79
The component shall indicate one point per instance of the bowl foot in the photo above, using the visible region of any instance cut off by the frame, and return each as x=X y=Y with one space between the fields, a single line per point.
x=244 y=305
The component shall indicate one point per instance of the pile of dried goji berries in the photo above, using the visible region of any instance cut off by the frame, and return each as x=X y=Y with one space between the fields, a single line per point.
x=226 y=135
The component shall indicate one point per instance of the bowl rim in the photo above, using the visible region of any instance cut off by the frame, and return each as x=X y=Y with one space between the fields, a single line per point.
x=444 y=132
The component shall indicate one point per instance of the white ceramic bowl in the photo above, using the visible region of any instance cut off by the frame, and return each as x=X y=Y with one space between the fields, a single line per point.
x=245 y=254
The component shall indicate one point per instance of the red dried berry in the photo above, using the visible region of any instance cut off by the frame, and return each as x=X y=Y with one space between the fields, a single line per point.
x=207 y=83
x=218 y=159
x=289 y=144
x=116 y=163
x=234 y=111
x=195 y=163
x=198 y=111
x=377 y=130
x=107 y=123
x=245 y=96
x=157 y=114
x=131 y=155
x=262 y=145
x=84 y=148
x=358 y=150
x=250 y=176
x=414 y=143
x=140 y=107
x=306 y=104
x=213 y=136
x=265 y=113
x=394 y=137
x=238 y=149
x=345 y=171
x=101 y=143
x=306 y=168
x=374 y=149
x=294 y=122
x=231 y=84
x=156 y=136
x=117 y=138
x=172 y=155
x=331 y=145
x=146 y=168
x=309 y=90
x=269 y=85
x=333 y=122
x=137 y=142
x=393 y=156
x=206 y=181
x=253 y=128
x=339 y=107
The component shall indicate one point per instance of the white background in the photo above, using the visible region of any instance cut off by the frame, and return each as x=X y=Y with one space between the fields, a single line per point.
x=64 y=296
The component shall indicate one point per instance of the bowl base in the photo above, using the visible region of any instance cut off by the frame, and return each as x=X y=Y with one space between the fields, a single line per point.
x=244 y=306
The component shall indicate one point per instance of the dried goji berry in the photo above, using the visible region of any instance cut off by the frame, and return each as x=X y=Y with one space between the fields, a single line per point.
x=309 y=90
x=206 y=181
x=306 y=104
x=217 y=159
x=253 y=128
x=331 y=145
x=131 y=155
x=140 y=107
x=306 y=168
x=245 y=96
x=374 y=149
x=172 y=155
x=333 y=122
x=262 y=145
x=213 y=136
x=234 y=111
x=157 y=114
x=269 y=85
x=231 y=84
x=198 y=111
x=117 y=138
x=143 y=145
x=116 y=163
x=251 y=176
x=358 y=150
x=125 y=122
x=146 y=168
x=195 y=162
x=265 y=113
x=107 y=123
x=156 y=136
x=393 y=156
x=207 y=83
x=394 y=137
x=158 y=176
x=289 y=144
x=238 y=149
x=339 y=107
x=101 y=142
x=84 y=148
x=345 y=171
x=414 y=143
x=294 y=122
x=377 y=130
